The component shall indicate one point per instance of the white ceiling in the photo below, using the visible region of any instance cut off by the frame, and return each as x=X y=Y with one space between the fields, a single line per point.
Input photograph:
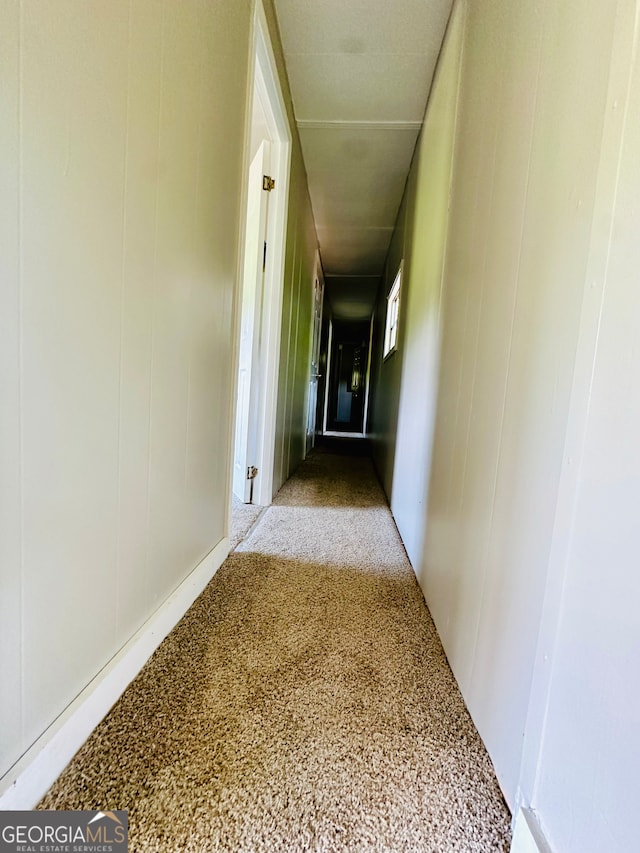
x=360 y=73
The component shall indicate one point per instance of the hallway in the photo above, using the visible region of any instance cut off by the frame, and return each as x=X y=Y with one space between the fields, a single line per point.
x=304 y=702
x=229 y=228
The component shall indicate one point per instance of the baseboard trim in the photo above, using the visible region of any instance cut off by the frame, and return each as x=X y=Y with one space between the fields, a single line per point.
x=527 y=835
x=337 y=434
x=31 y=777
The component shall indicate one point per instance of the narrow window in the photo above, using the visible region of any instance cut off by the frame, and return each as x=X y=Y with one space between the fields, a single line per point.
x=393 y=309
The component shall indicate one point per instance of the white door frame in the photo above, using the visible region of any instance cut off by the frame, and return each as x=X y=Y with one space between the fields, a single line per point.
x=318 y=276
x=365 y=409
x=263 y=76
x=326 y=380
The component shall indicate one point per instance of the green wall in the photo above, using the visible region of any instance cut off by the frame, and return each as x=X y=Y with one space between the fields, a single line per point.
x=297 y=301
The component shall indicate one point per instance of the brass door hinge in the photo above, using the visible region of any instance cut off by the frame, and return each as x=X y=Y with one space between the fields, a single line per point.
x=268 y=183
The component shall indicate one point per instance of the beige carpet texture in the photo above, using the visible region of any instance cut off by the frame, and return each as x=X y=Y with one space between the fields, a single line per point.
x=243 y=517
x=304 y=702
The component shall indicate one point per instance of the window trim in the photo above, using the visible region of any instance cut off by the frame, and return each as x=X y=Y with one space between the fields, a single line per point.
x=392 y=317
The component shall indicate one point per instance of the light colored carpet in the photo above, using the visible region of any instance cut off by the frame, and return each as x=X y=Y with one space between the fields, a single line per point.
x=304 y=703
x=243 y=517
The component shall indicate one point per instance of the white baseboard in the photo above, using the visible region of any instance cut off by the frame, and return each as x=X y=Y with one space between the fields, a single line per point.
x=527 y=835
x=32 y=776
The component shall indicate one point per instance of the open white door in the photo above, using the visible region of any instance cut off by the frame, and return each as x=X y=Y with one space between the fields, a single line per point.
x=318 y=293
x=244 y=455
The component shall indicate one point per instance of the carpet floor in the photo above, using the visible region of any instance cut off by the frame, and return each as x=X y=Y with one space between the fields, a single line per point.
x=304 y=702
x=243 y=517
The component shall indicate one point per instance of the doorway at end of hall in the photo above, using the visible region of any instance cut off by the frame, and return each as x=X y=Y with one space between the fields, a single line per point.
x=348 y=377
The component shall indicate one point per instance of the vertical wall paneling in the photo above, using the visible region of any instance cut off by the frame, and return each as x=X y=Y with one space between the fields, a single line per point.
x=424 y=248
x=302 y=363
x=10 y=385
x=281 y=460
x=384 y=416
x=508 y=346
x=524 y=221
x=121 y=138
x=142 y=157
x=294 y=356
x=297 y=306
x=174 y=280
x=73 y=138
x=582 y=734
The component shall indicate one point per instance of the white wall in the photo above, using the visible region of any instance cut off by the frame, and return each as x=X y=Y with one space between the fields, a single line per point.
x=121 y=138
x=424 y=232
x=544 y=659
x=404 y=385
x=524 y=182
x=386 y=373
x=580 y=770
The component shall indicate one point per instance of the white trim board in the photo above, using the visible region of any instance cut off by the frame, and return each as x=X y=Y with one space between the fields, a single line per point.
x=32 y=776
x=327 y=373
x=309 y=124
x=335 y=434
x=527 y=835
